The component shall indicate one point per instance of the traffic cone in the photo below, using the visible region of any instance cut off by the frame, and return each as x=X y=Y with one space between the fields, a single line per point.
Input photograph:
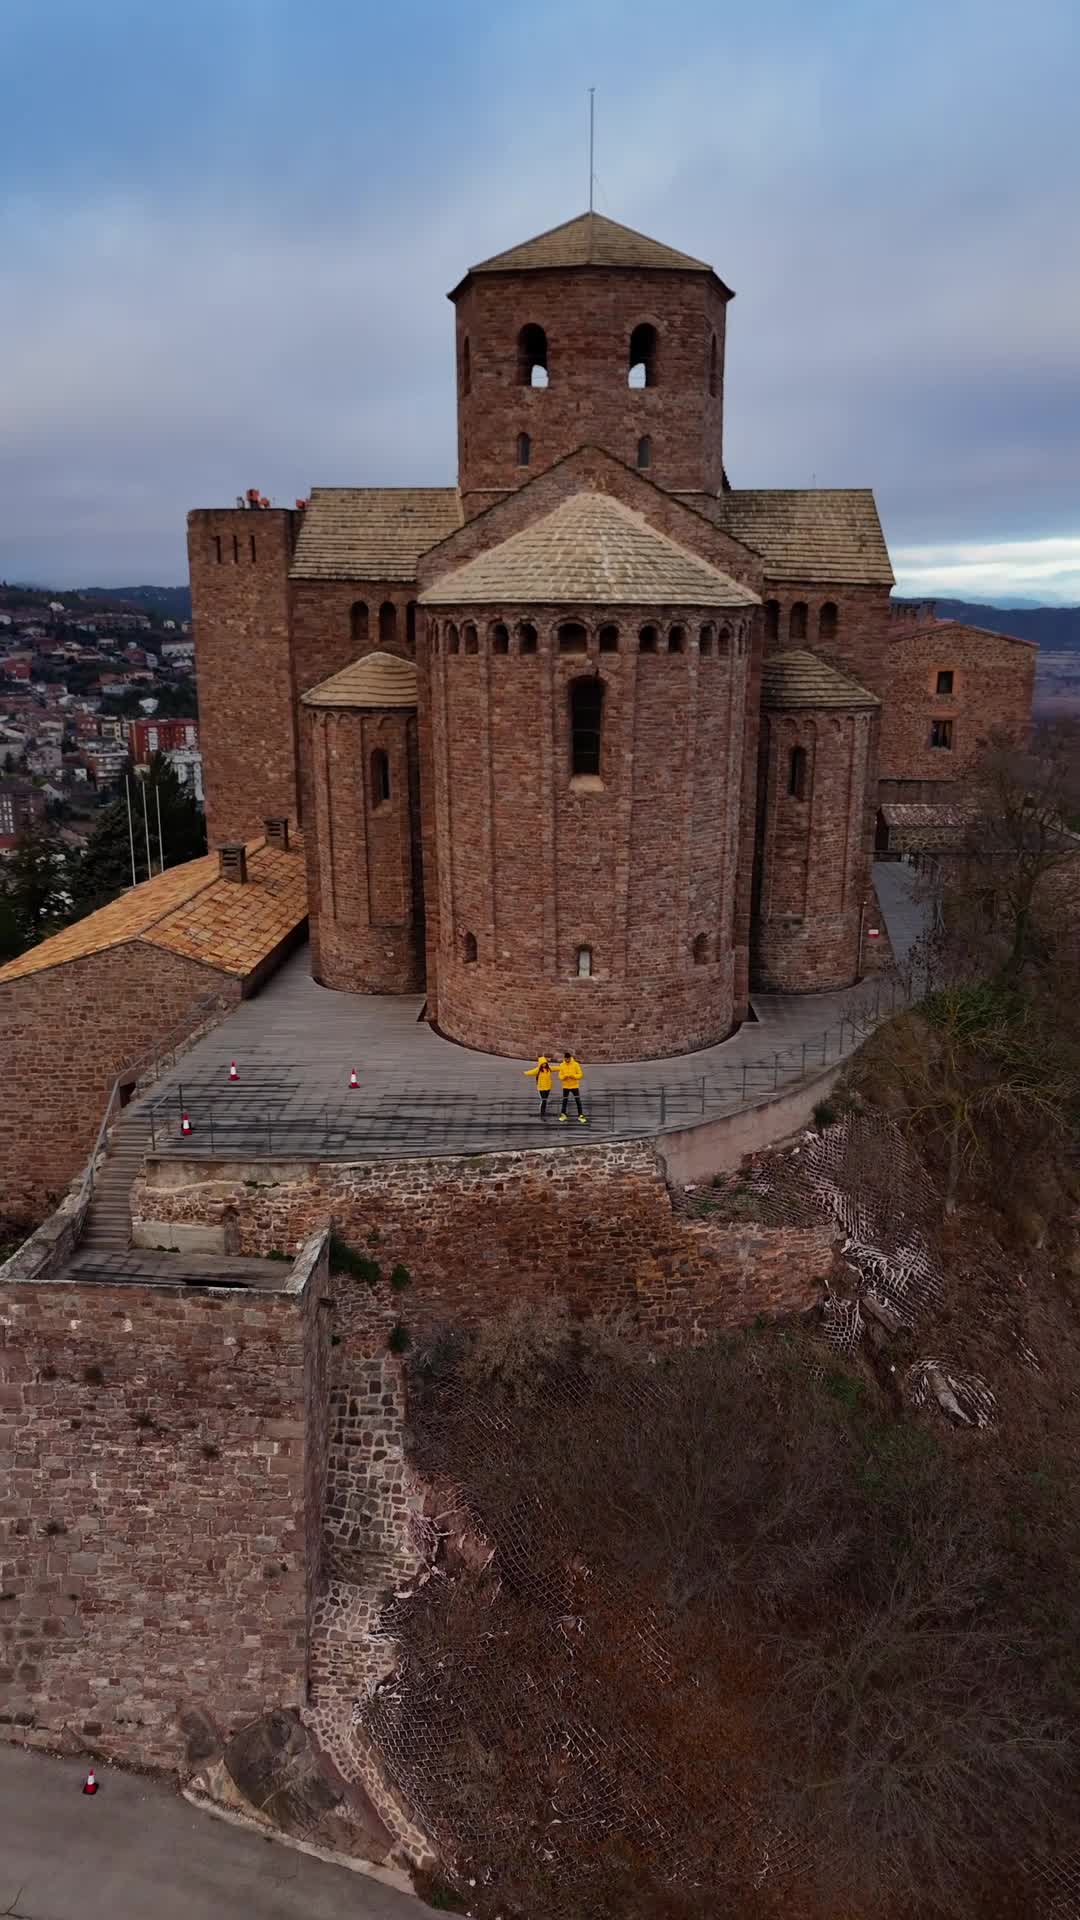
x=185 y=1125
x=353 y=1081
x=90 y=1784
x=233 y=1075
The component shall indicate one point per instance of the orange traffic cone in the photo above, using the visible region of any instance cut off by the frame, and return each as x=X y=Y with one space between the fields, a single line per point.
x=90 y=1784
x=233 y=1075
x=185 y=1125
x=353 y=1081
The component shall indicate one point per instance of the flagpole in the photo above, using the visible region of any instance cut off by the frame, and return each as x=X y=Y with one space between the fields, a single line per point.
x=146 y=824
x=160 y=841
x=131 y=830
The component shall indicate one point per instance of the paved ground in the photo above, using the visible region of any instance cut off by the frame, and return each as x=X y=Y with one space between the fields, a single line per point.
x=905 y=915
x=136 y=1851
x=295 y=1044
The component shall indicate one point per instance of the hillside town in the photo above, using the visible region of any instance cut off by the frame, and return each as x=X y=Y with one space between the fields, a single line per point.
x=90 y=689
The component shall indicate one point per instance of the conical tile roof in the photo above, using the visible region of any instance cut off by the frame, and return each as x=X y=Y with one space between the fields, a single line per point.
x=589 y=548
x=800 y=679
x=378 y=680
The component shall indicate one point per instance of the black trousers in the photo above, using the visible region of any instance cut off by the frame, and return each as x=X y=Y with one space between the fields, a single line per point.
x=570 y=1093
x=545 y=1095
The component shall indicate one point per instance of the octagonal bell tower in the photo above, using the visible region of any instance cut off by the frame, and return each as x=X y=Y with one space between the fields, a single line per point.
x=591 y=334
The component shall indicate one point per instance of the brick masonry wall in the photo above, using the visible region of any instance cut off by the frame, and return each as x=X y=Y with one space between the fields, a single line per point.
x=813 y=871
x=594 y=1225
x=637 y=866
x=68 y=1032
x=993 y=687
x=155 y=1525
x=334 y=622
x=247 y=706
x=365 y=885
x=859 y=644
x=589 y=315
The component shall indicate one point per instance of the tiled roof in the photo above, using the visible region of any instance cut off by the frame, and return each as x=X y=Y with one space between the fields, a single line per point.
x=378 y=680
x=904 y=632
x=590 y=240
x=800 y=679
x=920 y=813
x=590 y=548
x=372 y=533
x=190 y=910
x=806 y=533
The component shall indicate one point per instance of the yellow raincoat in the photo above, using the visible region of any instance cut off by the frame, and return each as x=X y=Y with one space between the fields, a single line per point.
x=570 y=1072
x=541 y=1073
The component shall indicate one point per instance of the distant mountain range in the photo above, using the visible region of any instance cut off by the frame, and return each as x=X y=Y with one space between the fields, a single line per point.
x=1057 y=629
x=173 y=603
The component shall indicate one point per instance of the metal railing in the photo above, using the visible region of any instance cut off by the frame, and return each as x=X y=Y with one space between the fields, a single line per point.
x=143 y=1072
x=269 y=1115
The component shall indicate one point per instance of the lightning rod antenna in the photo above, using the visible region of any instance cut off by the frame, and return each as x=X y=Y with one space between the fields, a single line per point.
x=592 y=142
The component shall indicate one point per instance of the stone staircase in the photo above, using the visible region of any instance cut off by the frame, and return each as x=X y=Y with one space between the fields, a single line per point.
x=108 y=1223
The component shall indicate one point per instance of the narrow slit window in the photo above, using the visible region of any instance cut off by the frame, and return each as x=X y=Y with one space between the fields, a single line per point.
x=642 y=369
x=723 y=645
x=469 y=639
x=217 y=548
x=584 y=963
x=648 y=640
x=828 y=620
x=573 y=637
x=796 y=782
x=471 y=952
x=609 y=639
x=452 y=639
x=500 y=638
x=797 y=620
x=527 y=638
x=387 y=624
x=644 y=451
x=713 y=366
x=524 y=449
x=586 y=720
x=251 y=544
x=358 y=622
x=701 y=950
x=466 y=366
x=676 y=640
x=236 y=549
x=380 y=778
x=772 y=619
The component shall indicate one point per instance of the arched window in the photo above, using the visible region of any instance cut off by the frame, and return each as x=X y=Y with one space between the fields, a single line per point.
x=500 y=638
x=470 y=949
x=828 y=619
x=410 y=626
x=676 y=640
x=701 y=950
x=527 y=638
x=466 y=366
x=713 y=366
x=772 y=619
x=452 y=639
x=609 y=639
x=642 y=356
x=358 y=622
x=796 y=779
x=532 y=357
x=644 y=451
x=380 y=778
x=705 y=640
x=573 y=637
x=469 y=639
x=586 y=717
x=584 y=963
x=524 y=449
x=648 y=640
x=797 y=620
x=723 y=644
x=387 y=624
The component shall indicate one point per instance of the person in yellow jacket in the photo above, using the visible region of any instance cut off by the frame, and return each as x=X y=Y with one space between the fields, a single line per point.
x=570 y=1079
x=541 y=1073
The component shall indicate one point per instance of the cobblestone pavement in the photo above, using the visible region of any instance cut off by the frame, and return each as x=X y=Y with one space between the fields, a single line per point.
x=295 y=1044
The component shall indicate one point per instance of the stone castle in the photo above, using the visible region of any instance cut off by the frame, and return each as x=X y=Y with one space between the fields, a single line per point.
x=590 y=744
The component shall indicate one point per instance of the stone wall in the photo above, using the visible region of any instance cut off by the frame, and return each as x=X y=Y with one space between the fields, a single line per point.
x=635 y=867
x=594 y=1225
x=993 y=682
x=857 y=644
x=158 y=1521
x=68 y=1031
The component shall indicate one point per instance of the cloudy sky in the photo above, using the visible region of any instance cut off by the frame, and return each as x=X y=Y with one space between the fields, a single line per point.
x=227 y=229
